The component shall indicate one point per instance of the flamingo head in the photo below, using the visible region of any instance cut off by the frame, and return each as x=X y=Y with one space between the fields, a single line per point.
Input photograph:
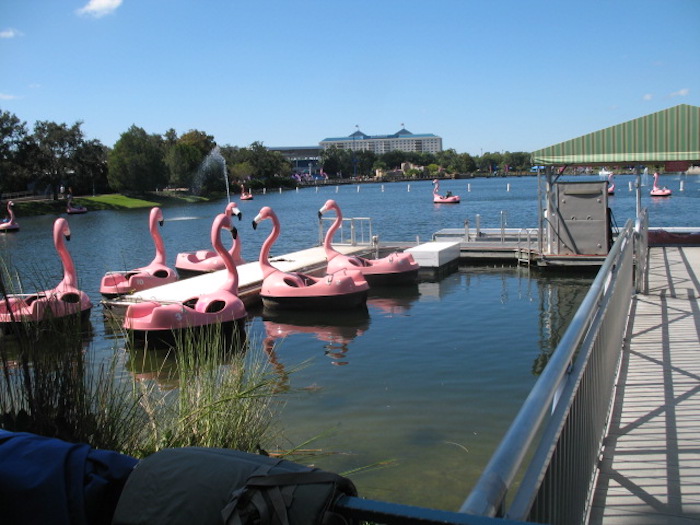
x=11 y=204
x=329 y=205
x=61 y=227
x=157 y=215
x=232 y=209
x=435 y=181
x=265 y=213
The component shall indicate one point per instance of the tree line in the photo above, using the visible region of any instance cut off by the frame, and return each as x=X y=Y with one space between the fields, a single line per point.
x=54 y=155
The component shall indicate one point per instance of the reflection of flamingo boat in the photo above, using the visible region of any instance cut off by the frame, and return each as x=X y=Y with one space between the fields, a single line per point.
x=74 y=209
x=448 y=198
x=159 y=322
x=156 y=273
x=245 y=195
x=204 y=261
x=336 y=329
x=280 y=289
x=659 y=191
x=394 y=300
x=9 y=224
x=63 y=301
x=396 y=268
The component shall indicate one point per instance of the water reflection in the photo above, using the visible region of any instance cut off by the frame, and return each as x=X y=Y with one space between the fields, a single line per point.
x=335 y=329
x=393 y=300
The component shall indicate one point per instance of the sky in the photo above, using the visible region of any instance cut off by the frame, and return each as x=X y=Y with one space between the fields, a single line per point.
x=485 y=75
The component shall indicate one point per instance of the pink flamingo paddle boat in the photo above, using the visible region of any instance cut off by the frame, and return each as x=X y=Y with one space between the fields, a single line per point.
x=281 y=289
x=659 y=191
x=611 y=184
x=204 y=261
x=396 y=268
x=159 y=322
x=63 y=301
x=245 y=195
x=74 y=209
x=9 y=224
x=448 y=198
x=156 y=273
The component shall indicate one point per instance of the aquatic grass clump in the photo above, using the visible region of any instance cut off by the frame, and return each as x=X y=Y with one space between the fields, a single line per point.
x=226 y=395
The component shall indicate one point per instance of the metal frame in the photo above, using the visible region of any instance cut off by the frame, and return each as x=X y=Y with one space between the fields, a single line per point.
x=562 y=422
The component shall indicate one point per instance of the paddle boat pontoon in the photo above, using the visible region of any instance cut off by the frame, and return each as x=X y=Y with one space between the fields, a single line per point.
x=189 y=264
x=9 y=224
x=65 y=300
x=335 y=291
x=159 y=323
x=448 y=198
x=396 y=268
x=118 y=283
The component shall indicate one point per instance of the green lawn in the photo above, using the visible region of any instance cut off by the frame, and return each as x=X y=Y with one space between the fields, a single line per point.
x=111 y=201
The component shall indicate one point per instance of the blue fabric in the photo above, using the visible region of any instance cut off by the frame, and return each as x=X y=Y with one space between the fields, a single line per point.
x=46 y=480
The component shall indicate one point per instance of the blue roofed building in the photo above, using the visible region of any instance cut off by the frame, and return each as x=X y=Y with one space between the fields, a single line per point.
x=402 y=140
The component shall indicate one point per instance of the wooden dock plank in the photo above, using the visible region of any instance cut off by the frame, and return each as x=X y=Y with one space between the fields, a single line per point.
x=650 y=471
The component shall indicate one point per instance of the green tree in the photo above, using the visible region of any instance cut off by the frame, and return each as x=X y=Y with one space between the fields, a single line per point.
x=90 y=174
x=56 y=146
x=336 y=162
x=136 y=163
x=13 y=136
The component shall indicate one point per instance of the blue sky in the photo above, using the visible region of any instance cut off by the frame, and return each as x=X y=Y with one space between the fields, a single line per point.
x=485 y=75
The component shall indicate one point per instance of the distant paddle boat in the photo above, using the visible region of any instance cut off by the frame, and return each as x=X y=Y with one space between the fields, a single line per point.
x=245 y=195
x=659 y=191
x=118 y=283
x=65 y=300
x=189 y=264
x=160 y=322
x=396 y=268
x=448 y=198
x=74 y=209
x=9 y=224
x=339 y=290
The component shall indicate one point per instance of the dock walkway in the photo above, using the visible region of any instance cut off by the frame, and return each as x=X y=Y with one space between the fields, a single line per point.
x=650 y=468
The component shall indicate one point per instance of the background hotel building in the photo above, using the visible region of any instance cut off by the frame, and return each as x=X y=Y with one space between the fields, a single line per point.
x=402 y=140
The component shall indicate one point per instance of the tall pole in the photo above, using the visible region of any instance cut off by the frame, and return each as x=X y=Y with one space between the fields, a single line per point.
x=354 y=155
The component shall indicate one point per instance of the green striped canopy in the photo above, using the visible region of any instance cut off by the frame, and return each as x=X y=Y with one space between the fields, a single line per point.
x=669 y=135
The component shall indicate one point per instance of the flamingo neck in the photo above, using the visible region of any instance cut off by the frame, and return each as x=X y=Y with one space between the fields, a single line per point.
x=11 y=213
x=158 y=242
x=328 y=248
x=70 y=278
x=231 y=283
x=265 y=265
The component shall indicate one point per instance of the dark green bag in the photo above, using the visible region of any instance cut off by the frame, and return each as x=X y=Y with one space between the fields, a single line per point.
x=214 y=486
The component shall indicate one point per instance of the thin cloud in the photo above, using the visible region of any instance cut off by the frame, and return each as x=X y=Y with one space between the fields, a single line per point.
x=10 y=33
x=99 y=8
x=648 y=96
x=680 y=93
x=3 y=96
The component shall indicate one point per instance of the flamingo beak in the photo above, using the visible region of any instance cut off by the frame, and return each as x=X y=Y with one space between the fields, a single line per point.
x=320 y=214
x=161 y=222
x=234 y=232
x=255 y=225
x=239 y=213
x=67 y=236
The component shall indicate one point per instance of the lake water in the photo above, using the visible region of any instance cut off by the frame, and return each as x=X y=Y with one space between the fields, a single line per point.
x=431 y=375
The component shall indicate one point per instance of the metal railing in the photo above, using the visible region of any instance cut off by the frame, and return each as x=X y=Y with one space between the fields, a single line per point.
x=352 y=231
x=561 y=425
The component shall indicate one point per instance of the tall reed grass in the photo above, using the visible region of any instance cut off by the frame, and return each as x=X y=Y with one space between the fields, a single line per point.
x=222 y=393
